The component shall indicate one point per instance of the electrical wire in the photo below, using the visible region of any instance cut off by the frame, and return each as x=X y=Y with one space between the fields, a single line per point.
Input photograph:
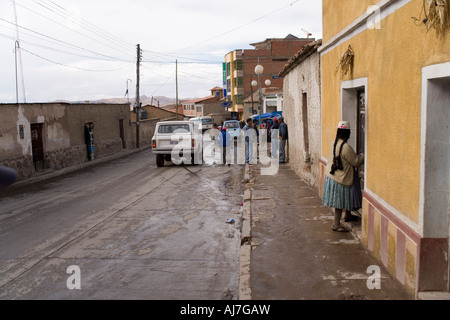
x=39 y=45
x=163 y=85
x=69 y=66
x=64 y=42
x=71 y=29
x=163 y=56
x=239 y=27
x=61 y=11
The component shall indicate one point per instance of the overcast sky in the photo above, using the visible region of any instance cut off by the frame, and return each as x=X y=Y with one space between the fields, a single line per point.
x=86 y=49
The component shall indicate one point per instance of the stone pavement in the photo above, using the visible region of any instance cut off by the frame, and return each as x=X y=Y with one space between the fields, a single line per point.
x=289 y=251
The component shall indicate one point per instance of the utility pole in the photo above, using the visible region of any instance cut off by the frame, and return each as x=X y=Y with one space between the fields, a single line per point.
x=138 y=100
x=176 y=80
x=17 y=82
x=18 y=56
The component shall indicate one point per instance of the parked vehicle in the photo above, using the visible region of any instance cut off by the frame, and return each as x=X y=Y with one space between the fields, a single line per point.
x=205 y=123
x=170 y=134
x=233 y=128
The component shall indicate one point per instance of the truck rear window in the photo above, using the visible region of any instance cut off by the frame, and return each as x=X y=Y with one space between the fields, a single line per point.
x=173 y=127
x=231 y=125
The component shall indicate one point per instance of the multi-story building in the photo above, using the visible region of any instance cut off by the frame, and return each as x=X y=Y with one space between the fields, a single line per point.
x=204 y=106
x=240 y=65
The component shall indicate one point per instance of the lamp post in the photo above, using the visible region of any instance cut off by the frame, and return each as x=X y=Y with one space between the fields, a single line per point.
x=254 y=84
x=259 y=69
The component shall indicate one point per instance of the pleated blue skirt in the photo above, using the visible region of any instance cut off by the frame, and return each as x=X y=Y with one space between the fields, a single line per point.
x=336 y=195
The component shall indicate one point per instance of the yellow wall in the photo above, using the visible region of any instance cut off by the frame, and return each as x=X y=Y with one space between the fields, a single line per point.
x=338 y=14
x=392 y=59
x=230 y=58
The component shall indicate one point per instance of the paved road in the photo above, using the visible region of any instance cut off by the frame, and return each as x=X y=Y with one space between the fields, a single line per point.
x=134 y=230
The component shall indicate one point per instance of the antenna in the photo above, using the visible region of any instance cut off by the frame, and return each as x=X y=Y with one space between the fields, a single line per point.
x=308 y=34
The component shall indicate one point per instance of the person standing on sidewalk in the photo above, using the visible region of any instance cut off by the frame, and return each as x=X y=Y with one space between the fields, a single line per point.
x=284 y=136
x=274 y=143
x=339 y=178
x=249 y=133
x=224 y=139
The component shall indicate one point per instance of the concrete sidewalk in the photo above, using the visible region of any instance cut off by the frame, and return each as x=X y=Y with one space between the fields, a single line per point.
x=289 y=251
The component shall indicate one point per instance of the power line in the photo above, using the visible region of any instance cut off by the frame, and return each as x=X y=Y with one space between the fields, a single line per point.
x=67 y=27
x=239 y=27
x=163 y=55
x=61 y=11
x=63 y=42
x=50 y=48
x=68 y=66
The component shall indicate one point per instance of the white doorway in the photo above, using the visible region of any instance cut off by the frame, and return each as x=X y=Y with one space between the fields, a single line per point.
x=354 y=110
x=435 y=154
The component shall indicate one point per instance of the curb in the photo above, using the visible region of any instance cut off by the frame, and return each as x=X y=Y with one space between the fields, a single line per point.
x=245 y=292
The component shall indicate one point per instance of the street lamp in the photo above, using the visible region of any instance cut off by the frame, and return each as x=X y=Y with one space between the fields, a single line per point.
x=259 y=69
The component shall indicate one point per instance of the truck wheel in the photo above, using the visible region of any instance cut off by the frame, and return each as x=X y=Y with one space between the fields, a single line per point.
x=160 y=160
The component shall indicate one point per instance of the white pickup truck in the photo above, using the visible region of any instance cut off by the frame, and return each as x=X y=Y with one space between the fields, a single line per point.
x=176 y=138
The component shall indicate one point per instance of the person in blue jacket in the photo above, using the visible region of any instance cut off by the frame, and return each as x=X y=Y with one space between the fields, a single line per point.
x=224 y=142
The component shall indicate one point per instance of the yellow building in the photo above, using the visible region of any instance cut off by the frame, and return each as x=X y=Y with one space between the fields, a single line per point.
x=386 y=69
x=235 y=84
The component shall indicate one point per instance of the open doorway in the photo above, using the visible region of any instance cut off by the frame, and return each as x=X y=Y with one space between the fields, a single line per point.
x=37 y=145
x=89 y=140
x=435 y=157
x=122 y=133
x=361 y=131
x=354 y=110
x=306 y=153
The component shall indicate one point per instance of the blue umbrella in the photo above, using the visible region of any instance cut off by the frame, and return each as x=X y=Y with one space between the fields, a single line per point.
x=269 y=115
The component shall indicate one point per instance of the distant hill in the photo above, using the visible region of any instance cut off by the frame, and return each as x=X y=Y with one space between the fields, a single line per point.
x=144 y=99
x=163 y=101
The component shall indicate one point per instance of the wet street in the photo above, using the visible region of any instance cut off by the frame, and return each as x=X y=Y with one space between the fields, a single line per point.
x=124 y=229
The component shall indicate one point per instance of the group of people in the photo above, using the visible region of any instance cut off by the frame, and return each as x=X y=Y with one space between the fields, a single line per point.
x=277 y=129
x=342 y=190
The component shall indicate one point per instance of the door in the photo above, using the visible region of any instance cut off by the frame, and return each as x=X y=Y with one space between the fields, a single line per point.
x=305 y=126
x=435 y=166
x=122 y=133
x=89 y=140
x=361 y=131
x=37 y=145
